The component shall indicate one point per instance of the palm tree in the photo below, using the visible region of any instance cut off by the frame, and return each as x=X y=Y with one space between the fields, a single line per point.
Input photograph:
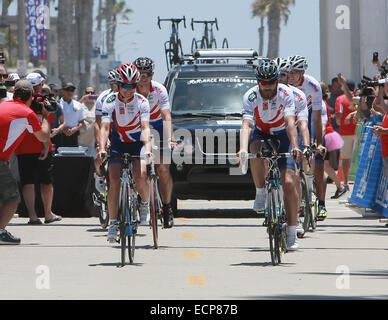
x=66 y=45
x=273 y=10
x=112 y=10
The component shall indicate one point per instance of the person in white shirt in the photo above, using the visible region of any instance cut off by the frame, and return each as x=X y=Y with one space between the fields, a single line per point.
x=74 y=116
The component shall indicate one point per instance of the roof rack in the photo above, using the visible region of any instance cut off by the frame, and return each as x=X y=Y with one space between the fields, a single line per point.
x=224 y=54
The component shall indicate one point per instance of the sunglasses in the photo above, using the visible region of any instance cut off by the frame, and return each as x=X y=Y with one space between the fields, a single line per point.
x=264 y=83
x=145 y=75
x=283 y=74
x=4 y=75
x=129 y=85
x=89 y=92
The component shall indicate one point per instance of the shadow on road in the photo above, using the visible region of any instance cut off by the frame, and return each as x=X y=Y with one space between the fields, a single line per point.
x=218 y=213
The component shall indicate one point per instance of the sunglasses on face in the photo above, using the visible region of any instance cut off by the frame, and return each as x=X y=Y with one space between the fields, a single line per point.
x=128 y=85
x=3 y=75
x=283 y=74
x=264 y=83
x=145 y=75
x=89 y=92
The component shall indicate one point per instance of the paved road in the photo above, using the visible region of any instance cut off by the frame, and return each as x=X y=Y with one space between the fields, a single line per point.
x=219 y=257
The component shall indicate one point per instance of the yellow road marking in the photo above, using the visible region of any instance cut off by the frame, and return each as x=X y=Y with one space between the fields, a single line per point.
x=188 y=235
x=183 y=219
x=196 y=280
x=191 y=253
x=182 y=206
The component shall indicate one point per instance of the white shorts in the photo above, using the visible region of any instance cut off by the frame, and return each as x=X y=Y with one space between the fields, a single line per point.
x=348 y=148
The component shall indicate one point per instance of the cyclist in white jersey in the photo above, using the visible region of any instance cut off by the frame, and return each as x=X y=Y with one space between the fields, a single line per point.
x=113 y=76
x=302 y=115
x=312 y=89
x=271 y=107
x=129 y=114
x=161 y=129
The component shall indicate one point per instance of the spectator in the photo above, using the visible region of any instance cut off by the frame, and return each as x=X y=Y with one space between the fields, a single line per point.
x=74 y=116
x=57 y=121
x=343 y=107
x=335 y=92
x=11 y=111
x=35 y=160
x=86 y=137
x=3 y=77
x=333 y=140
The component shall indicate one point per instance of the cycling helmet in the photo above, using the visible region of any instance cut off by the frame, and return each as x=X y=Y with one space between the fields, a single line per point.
x=144 y=64
x=113 y=75
x=128 y=73
x=298 y=62
x=284 y=64
x=267 y=70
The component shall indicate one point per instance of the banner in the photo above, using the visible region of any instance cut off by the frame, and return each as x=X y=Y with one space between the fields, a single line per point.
x=369 y=167
x=37 y=14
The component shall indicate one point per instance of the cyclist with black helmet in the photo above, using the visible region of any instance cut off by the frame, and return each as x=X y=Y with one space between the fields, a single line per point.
x=161 y=124
x=129 y=113
x=312 y=89
x=113 y=76
x=271 y=107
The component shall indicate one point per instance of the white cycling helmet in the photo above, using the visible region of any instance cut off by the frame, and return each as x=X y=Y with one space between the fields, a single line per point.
x=284 y=64
x=128 y=73
x=298 y=62
x=113 y=75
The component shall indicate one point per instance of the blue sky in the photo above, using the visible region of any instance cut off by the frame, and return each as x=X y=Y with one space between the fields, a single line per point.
x=299 y=36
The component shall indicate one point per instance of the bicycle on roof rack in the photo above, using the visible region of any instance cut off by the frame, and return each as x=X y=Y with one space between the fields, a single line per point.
x=208 y=40
x=173 y=47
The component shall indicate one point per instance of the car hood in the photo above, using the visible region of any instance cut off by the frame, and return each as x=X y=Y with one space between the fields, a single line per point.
x=192 y=123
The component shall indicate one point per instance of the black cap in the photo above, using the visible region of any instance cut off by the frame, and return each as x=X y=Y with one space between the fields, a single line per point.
x=69 y=85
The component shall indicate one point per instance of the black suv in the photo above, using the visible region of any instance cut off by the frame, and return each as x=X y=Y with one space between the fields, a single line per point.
x=206 y=99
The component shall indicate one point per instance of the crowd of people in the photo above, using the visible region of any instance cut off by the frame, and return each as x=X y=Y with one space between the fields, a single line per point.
x=38 y=118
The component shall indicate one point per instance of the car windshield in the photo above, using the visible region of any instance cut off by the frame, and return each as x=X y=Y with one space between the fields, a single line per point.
x=213 y=96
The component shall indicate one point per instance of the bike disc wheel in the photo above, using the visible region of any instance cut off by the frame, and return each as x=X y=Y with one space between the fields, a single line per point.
x=154 y=212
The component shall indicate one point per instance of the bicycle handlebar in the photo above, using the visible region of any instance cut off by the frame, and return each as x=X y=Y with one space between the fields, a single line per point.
x=204 y=22
x=173 y=20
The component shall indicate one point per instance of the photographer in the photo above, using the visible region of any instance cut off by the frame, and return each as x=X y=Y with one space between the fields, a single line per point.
x=343 y=107
x=18 y=112
x=86 y=137
x=35 y=159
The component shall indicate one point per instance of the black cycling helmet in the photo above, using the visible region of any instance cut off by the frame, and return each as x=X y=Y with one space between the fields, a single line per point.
x=267 y=70
x=144 y=63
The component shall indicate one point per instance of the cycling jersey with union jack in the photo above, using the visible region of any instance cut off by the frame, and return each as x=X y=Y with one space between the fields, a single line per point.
x=269 y=114
x=126 y=117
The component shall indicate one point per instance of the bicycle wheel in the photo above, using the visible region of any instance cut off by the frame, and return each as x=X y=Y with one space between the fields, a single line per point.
x=225 y=43
x=314 y=209
x=272 y=228
x=132 y=226
x=103 y=210
x=154 y=210
x=204 y=43
x=305 y=208
x=194 y=46
x=123 y=209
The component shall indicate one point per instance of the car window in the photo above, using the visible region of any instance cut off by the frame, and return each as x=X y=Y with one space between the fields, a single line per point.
x=209 y=95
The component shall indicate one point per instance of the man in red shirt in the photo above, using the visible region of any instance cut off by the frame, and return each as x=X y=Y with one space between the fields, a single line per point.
x=16 y=120
x=347 y=129
x=35 y=161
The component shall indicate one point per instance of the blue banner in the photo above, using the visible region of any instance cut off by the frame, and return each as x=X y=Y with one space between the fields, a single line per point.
x=369 y=173
x=36 y=14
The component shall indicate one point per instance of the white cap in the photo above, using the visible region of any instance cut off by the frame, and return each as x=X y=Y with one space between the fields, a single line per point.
x=35 y=78
x=14 y=76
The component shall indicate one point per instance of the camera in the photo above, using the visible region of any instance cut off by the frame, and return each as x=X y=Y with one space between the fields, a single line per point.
x=38 y=103
x=3 y=92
